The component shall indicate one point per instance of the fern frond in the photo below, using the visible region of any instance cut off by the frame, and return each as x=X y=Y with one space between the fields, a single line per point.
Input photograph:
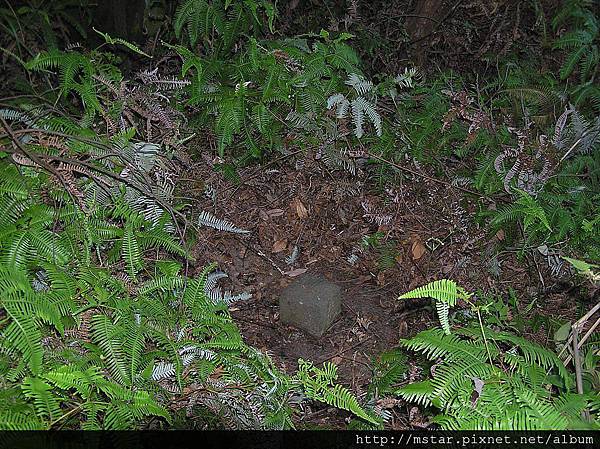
x=318 y=385
x=106 y=335
x=131 y=251
x=46 y=404
x=207 y=219
x=419 y=392
x=10 y=420
x=446 y=293
x=22 y=334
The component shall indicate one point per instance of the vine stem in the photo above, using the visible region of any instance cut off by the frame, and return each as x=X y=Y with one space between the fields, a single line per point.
x=585 y=415
x=66 y=415
x=487 y=348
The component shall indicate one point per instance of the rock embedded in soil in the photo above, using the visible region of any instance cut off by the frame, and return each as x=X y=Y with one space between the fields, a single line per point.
x=310 y=303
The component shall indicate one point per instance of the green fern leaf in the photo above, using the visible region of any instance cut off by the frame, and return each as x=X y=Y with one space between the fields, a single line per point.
x=46 y=404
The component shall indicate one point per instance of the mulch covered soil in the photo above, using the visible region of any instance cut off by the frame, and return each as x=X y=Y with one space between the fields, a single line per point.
x=297 y=202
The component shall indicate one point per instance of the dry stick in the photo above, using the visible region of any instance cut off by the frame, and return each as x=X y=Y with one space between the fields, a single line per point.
x=578 y=376
x=584 y=339
x=422 y=175
x=346 y=350
x=58 y=134
x=33 y=156
x=577 y=142
x=38 y=159
x=264 y=256
x=579 y=322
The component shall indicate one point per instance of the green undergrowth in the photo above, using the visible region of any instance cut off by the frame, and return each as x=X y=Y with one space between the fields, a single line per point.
x=102 y=324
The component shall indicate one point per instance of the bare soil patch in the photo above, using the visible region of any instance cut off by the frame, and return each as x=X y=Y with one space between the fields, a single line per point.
x=430 y=227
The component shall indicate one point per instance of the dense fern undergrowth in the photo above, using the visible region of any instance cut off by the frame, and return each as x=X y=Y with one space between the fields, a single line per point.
x=103 y=327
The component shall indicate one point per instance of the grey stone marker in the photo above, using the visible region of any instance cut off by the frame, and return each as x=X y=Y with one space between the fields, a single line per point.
x=311 y=303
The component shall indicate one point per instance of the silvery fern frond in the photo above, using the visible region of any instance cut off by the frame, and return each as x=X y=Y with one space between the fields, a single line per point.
x=228 y=297
x=166 y=370
x=586 y=134
x=408 y=78
x=294 y=256
x=573 y=133
x=336 y=160
x=16 y=116
x=216 y=295
x=163 y=370
x=358 y=117
x=191 y=352
x=211 y=281
x=360 y=85
x=560 y=127
x=148 y=208
x=361 y=107
x=373 y=115
x=207 y=219
x=340 y=102
x=145 y=155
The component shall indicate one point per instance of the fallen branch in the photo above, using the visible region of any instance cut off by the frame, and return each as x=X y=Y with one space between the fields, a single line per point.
x=422 y=175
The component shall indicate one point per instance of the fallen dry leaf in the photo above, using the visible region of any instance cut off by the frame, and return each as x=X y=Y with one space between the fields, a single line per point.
x=381 y=278
x=388 y=403
x=279 y=246
x=418 y=249
x=296 y=272
x=417 y=419
x=447 y=268
x=275 y=213
x=500 y=235
x=301 y=210
x=402 y=329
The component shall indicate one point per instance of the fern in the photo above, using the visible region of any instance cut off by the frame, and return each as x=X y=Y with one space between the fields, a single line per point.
x=207 y=219
x=135 y=334
x=445 y=292
x=117 y=40
x=228 y=20
x=581 y=41
x=318 y=384
x=525 y=208
x=389 y=369
x=363 y=107
x=490 y=380
x=46 y=404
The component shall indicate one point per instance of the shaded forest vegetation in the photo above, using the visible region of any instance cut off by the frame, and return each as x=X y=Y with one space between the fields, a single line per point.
x=168 y=168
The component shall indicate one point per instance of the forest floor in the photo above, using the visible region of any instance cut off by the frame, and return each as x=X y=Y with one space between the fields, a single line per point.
x=427 y=230
x=375 y=242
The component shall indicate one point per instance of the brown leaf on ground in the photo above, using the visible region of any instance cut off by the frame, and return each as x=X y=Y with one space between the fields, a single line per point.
x=275 y=213
x=417 y=419
x=388 y=403
x=279 y=246
x=300 y=208
x=296 y=272
x=418 y=249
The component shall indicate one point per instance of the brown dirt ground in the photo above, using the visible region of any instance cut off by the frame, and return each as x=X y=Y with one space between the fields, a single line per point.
x=300 y=202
